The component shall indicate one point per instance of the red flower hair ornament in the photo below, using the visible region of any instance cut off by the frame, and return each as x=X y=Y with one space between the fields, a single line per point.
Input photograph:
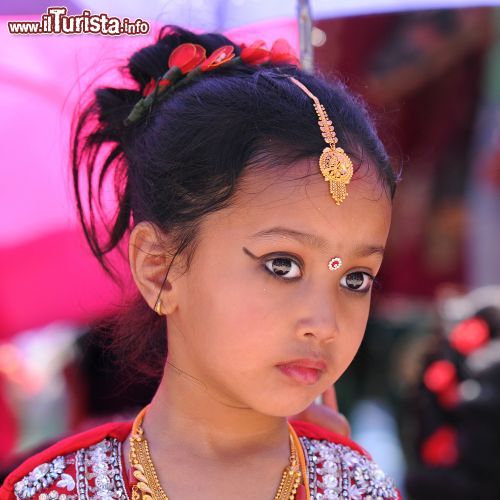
x=189 y=60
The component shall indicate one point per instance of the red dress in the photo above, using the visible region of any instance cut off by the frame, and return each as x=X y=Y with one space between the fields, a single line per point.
x=91 y=465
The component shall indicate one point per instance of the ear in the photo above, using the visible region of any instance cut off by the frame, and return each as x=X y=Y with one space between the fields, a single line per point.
x=149 y=261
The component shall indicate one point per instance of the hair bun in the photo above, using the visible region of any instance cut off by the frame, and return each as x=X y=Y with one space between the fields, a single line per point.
x=113 y=105
x=151 y=62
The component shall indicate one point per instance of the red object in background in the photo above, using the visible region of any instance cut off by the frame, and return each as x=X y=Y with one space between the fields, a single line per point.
x=469 y=335
x=440 y=375
x=440 y=449
x=441 y=378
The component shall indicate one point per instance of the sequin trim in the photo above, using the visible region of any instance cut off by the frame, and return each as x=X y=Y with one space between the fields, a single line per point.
x=337 y=472
x=39 y=478
x=55 y=495
x=99 y=472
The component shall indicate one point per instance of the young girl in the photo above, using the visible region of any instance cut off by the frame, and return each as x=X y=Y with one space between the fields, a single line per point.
x=257 y=202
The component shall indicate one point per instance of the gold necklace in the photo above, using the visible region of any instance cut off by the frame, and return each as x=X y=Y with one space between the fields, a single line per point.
x=148 y=486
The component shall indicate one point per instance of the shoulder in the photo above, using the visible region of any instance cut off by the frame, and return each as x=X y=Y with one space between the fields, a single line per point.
x=73 y=468
x=340 y=468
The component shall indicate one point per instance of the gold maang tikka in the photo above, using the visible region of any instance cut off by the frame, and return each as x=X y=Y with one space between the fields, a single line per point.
x=334 y=163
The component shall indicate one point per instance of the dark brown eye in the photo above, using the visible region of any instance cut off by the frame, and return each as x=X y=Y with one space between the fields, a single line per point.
x=283 y=267
x=357 y=281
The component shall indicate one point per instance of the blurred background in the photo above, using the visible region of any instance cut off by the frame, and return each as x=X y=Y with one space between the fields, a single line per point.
x=423 y=395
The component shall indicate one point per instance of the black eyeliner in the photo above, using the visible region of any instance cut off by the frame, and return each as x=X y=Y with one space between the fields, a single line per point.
x=250 y=254
x=274 y=256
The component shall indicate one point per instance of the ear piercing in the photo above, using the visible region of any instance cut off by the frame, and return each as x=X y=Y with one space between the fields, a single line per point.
x=157 y=307
x=335 y=263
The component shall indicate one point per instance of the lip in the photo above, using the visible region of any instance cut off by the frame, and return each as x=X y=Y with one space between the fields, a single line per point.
x=303 y=371
x=317 y=364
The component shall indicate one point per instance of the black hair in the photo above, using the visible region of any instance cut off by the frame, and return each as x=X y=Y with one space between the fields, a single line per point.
x=184 y=159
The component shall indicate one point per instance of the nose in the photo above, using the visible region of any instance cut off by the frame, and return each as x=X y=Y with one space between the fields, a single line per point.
x=318 y=317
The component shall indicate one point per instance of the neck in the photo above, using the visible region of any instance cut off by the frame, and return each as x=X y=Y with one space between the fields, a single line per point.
x=184 y=413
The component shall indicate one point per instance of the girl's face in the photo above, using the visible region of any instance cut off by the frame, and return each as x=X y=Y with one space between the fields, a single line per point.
x=259 y=293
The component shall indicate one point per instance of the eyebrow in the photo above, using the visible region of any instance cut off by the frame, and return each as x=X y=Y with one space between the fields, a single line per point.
x=315 y=241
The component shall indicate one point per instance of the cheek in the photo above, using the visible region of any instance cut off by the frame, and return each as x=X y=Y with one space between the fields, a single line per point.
x=232 y=308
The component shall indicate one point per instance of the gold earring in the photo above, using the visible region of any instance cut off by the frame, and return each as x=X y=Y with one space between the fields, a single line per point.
x=157 y=307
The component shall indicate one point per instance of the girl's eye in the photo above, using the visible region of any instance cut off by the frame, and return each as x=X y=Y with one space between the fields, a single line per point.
x=283 y=268
x=357 y=281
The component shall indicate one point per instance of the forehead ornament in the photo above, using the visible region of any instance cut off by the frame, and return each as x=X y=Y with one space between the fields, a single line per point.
x=334 y=163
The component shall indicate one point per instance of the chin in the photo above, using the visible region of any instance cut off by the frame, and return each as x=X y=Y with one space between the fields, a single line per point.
x=286 y=407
